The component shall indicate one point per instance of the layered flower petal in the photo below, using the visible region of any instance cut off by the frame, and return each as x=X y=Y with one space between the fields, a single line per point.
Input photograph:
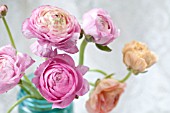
x=43 y=49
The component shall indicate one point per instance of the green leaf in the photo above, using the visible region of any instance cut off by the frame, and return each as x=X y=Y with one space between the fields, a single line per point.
x=109 y=76
x=97 y=82
x=103 y=48
x=144 y=72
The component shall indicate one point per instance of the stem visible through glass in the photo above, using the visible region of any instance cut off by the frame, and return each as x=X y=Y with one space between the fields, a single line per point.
x=33 y=90
x=23 y=88
x=19 y=101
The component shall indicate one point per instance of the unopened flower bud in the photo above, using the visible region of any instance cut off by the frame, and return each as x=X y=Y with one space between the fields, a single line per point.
x=138 y=57
x=3 y=10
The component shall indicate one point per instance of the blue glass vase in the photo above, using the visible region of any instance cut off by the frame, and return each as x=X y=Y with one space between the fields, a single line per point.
x=31 y=105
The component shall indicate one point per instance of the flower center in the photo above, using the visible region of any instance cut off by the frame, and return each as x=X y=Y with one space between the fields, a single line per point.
x=140 y=50
x=58 y=76
x=59 y=19
x=54 y=20
x=138 y=47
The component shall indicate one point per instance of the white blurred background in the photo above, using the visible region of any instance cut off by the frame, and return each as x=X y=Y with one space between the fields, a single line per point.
x=143 y=20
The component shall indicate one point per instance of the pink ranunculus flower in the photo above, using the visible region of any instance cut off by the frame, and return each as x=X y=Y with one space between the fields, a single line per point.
x=105 y=96
x=99 y=25
x=59 y=81
x=53 y=25
x=12 y=67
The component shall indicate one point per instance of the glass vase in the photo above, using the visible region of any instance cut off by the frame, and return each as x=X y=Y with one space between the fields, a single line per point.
x=31 y=105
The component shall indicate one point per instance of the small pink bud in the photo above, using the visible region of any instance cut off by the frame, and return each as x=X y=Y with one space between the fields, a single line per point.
x=3 y=10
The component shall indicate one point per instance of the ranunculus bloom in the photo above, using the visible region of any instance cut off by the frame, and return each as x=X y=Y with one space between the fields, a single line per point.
x=105 y=96
x=98 y=24
x=138 y=57
x=3 y=10
x=59 y=81
x=53 y=25
x=12 y=67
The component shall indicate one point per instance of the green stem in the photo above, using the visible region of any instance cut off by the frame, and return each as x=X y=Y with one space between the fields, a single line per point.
x=19 y=101
x=92 y=84
x=9 y=32
x=99 y=71
x=81 y=53
x=25 y=89
x=32 y=89
x=27 y=79
x=127 y=76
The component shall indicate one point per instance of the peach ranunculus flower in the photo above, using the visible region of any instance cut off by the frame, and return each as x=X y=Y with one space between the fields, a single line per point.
x=105 y=96
x=138 y=57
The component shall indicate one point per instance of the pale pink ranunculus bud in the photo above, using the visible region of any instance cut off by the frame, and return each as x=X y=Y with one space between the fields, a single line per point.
x=60 y=81
x=53 y=25
x=3 y=10
x=12 y=67
x=138 y=57
x=105 y=96
x=98 y=23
